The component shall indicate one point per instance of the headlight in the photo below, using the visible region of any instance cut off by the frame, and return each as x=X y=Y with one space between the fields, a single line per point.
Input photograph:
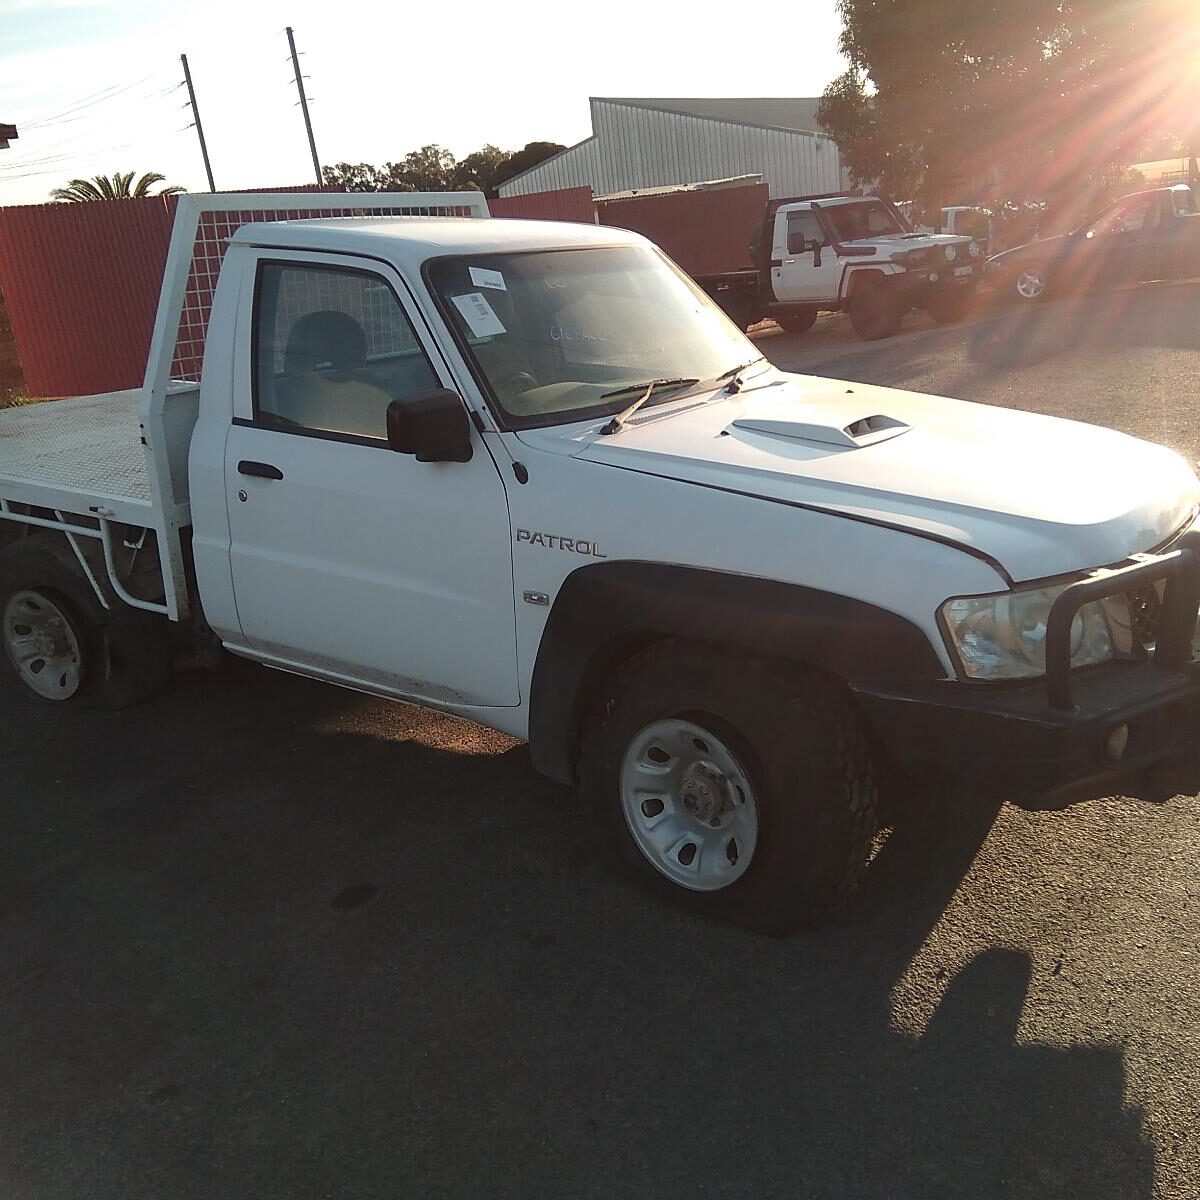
x=951 y=253
x=1004 y=636
x=973 y=249
x=914 y=258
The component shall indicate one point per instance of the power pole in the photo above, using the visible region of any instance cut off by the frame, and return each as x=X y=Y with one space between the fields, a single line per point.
x=312 y=145
x=187 y=78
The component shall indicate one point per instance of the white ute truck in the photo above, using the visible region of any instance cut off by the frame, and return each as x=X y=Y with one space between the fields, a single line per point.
x=854 y=254
x=528 y=473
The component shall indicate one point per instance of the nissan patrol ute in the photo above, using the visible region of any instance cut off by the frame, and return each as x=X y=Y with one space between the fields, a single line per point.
x=529 y=473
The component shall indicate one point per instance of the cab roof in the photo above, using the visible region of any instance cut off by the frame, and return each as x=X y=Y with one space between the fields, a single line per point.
x=415 y=239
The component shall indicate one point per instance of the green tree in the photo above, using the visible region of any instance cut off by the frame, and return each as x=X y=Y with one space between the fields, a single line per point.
x=430 y=169
x=118 y=186
x=529 y=156
x=478 y=169
x=1029 y=98
x=355 y=177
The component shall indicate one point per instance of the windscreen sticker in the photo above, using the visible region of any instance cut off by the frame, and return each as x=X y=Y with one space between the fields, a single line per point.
x=482 y=277
x=478 y=314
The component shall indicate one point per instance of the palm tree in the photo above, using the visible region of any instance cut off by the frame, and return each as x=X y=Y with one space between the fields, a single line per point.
x=117 y=186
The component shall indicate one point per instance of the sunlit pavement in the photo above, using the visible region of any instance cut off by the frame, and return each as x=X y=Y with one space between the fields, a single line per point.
x=266 y=938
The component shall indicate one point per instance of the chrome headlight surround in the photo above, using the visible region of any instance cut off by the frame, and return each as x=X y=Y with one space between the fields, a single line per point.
x=950 y=253
x=973 y=249
x=1003 y=636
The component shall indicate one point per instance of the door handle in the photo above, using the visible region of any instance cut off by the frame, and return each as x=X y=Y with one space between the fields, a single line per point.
x=260 y=470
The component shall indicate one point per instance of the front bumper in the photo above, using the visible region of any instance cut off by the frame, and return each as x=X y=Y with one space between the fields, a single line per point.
x=939 y=275
x=1071 y=727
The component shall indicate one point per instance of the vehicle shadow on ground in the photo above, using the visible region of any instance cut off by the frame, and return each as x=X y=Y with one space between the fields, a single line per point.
x=267 y=938
x=1008 y=339
x=1160 y=315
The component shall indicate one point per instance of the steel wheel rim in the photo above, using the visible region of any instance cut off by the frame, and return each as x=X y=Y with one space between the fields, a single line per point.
x=1031 y=284
x=689 y=805
x=42 y=645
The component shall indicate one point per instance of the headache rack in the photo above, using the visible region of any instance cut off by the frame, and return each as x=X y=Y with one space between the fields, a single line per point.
x=109 y=467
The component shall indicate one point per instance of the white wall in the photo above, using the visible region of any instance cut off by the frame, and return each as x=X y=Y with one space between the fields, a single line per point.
x=641 y=147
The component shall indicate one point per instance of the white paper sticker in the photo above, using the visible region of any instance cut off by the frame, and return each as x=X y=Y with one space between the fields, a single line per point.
x=478 y=314
x=481 y=277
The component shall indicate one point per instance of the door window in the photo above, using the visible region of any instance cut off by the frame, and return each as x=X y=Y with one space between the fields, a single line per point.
x=1128 y=217
x=803 y=228
x=333 y=348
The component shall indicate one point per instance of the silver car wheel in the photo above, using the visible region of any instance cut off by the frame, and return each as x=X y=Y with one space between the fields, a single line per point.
x=689 y=805
x=43 y=645
x=1031 y=283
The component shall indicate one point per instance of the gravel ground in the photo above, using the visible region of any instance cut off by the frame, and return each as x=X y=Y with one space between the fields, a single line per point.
x=271 y=939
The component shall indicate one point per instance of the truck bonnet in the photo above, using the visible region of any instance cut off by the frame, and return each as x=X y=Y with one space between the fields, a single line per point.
x=1041 y=495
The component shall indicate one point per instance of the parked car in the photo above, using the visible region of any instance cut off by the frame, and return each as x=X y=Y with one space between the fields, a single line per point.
x=528 y=473
x=845 y=252
x=1148 y=235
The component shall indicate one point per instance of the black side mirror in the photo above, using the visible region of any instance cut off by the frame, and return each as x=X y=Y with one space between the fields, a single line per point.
x=433 y=425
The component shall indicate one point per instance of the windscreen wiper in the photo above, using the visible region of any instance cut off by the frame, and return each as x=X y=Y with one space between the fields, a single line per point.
x=647 y=389
x=734 y=374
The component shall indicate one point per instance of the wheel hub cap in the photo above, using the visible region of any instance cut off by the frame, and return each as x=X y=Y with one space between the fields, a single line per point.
x=42 y=645
x=689 y=804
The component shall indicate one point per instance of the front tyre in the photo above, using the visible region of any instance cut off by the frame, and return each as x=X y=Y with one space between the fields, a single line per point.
x=874 y=313
x=1029 y=285
x=739 y=789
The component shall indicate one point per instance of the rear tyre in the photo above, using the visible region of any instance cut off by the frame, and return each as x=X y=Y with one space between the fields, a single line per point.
x=743 y=790
x=743 y=309
x=60 y=645
x=951 y=305
x=874 y=314
x=796 y=320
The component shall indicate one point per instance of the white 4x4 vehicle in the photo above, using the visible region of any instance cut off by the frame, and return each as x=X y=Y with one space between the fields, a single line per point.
x=528 y=473
x=857 y=254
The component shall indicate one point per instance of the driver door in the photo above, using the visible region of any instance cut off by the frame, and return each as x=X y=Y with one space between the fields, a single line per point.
x=798 y=273
x=350 y=560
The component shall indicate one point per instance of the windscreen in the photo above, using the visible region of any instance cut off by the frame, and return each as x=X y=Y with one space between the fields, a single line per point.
x=869 y=219
x=554 y=332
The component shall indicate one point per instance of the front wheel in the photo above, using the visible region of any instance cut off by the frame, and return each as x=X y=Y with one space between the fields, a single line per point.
x=1030 y=284
x=948 y=306
x=874 y=314
x=739 y=789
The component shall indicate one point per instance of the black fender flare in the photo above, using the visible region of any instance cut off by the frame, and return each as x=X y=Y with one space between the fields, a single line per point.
x=606 y=611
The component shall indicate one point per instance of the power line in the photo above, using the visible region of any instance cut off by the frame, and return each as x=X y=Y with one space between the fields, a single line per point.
x=108 y=93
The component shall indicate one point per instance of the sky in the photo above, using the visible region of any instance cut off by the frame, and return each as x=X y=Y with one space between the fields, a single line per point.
x=95 y=86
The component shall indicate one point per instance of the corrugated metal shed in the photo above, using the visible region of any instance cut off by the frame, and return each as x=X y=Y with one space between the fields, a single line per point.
x=647 y=143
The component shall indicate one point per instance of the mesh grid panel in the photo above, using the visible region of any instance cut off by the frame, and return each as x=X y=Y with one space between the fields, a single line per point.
x=212 y=236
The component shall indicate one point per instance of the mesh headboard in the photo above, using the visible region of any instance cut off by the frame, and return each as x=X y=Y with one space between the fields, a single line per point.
x=203 y=227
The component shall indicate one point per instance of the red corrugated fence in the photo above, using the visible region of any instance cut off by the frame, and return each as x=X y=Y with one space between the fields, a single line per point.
x=81 y=282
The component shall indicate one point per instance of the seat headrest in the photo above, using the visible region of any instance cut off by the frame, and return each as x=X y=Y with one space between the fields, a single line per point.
x=325 y=338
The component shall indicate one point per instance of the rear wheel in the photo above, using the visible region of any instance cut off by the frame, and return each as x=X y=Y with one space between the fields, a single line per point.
x=742 y=308
x=739 y=789
x=948 y=306
x=874 y=314
x=61 y=645
x=796 y=320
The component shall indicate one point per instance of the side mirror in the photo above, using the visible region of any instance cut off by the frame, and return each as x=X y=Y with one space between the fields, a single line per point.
x=433 y=425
